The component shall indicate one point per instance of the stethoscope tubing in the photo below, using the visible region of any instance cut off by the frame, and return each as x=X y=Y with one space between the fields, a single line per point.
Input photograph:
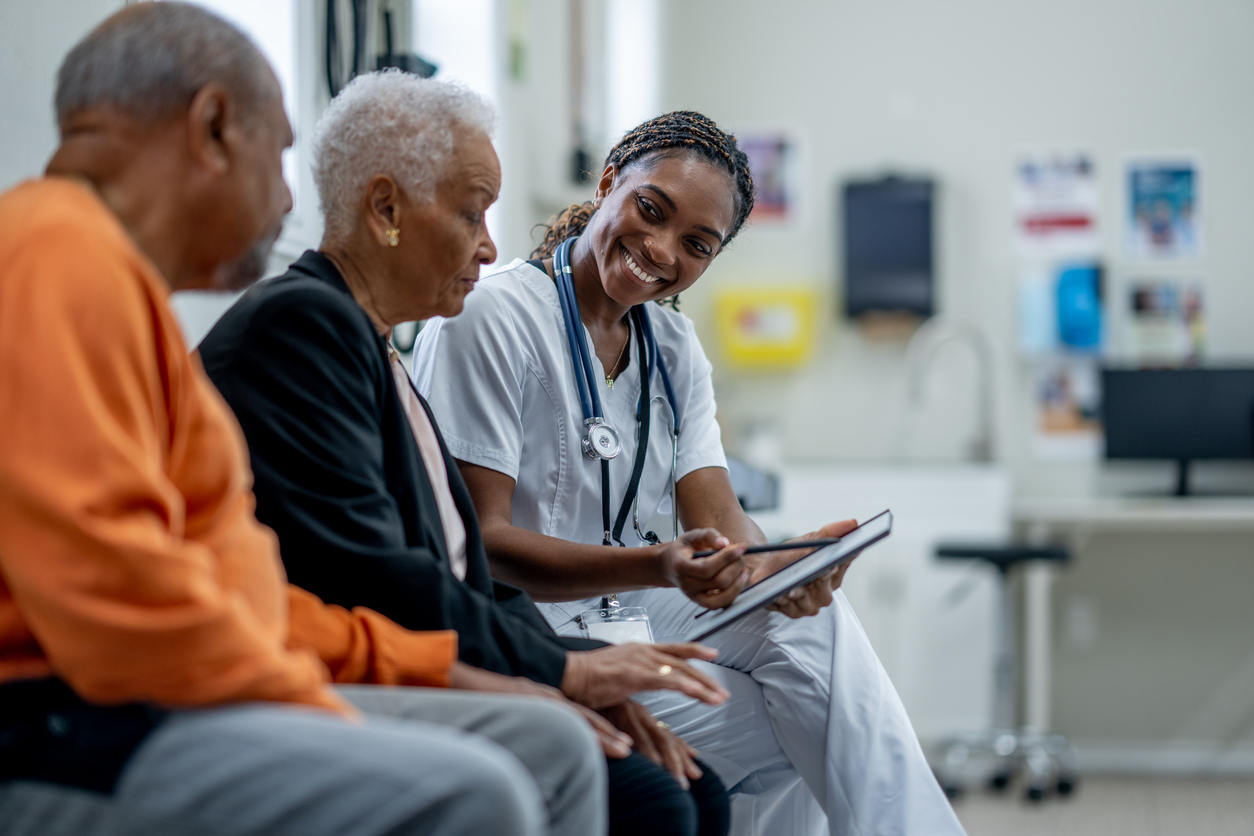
x=589 y=399
x=635 y=513
x=585 y=378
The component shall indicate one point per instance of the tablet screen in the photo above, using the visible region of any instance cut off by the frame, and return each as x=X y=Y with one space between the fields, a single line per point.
x=793 y=575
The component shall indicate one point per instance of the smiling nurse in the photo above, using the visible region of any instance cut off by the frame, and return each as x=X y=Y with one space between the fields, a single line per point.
x=812 y=717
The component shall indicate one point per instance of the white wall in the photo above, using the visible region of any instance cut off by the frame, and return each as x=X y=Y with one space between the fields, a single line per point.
x=34 y=37
x=954 y=90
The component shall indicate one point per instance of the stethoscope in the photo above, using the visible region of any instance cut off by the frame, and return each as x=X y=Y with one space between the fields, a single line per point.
x=601 y=441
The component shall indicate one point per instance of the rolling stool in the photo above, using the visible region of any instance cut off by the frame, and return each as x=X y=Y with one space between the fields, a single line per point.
x=1048 y=758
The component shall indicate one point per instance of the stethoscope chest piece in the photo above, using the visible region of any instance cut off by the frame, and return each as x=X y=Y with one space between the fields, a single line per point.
x=601 y=442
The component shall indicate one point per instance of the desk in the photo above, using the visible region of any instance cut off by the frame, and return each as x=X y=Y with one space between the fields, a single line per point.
x=1043 y=519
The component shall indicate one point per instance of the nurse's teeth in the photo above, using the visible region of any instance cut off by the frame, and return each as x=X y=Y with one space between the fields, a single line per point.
x=635 y=268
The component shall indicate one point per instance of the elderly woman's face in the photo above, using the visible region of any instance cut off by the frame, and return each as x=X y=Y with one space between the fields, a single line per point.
x=449 y=239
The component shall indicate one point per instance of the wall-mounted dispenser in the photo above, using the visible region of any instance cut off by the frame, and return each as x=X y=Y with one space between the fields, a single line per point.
x=888 y=246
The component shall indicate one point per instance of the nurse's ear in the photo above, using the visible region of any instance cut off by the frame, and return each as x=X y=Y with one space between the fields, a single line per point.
x=605 y=185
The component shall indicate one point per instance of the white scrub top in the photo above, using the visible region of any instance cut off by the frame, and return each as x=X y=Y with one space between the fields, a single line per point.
x=500 y=381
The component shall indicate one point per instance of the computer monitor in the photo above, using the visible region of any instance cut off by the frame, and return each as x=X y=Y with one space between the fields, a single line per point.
x=1180 y=414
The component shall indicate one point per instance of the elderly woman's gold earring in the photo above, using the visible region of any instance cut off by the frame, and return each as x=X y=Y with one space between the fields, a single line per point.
x=394 y=237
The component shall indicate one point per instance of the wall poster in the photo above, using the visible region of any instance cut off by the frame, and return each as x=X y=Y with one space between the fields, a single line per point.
x=773 y=162
x=1068 y=409
x=1164 y=217
x=1055 y=202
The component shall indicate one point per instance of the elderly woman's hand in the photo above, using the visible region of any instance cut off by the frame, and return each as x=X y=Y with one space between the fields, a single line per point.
x=608 y=675
x=817 y=594
x=655 y=740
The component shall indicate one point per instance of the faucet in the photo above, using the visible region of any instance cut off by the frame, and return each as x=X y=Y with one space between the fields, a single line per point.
x=930 y=337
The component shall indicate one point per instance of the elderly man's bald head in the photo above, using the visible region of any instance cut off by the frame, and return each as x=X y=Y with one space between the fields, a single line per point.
x=149 y=60
x=177 y=121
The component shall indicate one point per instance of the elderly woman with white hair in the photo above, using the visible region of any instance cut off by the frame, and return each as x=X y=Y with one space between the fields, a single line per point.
x=352 y=472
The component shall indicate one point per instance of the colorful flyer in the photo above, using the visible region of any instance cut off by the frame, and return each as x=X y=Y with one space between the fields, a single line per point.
x=773 y=162
x=1068 y=409
x=1055 y=201
x=1164 y=218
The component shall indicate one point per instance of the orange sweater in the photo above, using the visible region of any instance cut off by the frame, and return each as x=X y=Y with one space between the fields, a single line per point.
x=131 y=564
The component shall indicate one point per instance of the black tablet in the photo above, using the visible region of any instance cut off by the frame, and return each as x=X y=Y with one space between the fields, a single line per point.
x=792 y=576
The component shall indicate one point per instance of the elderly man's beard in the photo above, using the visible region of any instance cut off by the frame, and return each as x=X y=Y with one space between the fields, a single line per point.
x=241 y=272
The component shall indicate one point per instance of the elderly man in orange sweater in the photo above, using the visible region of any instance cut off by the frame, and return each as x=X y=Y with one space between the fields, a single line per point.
x=148 y=679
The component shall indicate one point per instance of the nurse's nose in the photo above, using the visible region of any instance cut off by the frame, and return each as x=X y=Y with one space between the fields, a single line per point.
x=659 y=252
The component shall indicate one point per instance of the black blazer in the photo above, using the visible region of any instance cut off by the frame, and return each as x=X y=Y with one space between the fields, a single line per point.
x=340 y=480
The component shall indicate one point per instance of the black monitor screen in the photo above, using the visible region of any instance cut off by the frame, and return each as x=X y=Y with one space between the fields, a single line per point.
x=1178 y=414
x=888 y=246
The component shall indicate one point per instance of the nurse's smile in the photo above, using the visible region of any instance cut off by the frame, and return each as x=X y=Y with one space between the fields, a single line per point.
x=646 y=275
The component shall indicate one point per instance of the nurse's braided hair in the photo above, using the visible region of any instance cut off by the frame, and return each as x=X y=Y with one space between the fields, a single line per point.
x=677 y=132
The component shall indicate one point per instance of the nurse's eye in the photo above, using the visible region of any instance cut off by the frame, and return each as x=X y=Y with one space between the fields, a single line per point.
x=700 y=247
x=649 y=208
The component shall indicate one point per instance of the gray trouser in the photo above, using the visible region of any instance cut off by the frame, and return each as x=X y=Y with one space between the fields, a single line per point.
x=263 y=769
x=554 y=743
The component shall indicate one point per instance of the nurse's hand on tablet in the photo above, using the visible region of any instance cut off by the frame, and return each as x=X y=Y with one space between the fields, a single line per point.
x=714 y=581
x=817 y=594
x=607 y=676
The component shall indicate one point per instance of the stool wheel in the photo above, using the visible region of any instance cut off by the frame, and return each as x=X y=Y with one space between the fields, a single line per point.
x=953 y=791
x=1035 y=794
x=1000 y=781
x=1066 y=784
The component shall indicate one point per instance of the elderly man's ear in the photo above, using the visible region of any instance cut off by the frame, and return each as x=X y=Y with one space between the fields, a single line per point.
x=211 y=120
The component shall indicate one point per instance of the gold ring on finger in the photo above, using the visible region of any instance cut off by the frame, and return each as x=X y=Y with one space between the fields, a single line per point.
x=663 y=725
x=665 y=670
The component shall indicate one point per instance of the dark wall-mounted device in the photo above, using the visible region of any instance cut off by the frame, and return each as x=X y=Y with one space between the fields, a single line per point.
x=334 y=53
x=888 y=230
x=1180 y=414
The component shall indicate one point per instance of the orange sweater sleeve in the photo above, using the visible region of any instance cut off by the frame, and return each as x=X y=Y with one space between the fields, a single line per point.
x=362 y=646
x=130 y=558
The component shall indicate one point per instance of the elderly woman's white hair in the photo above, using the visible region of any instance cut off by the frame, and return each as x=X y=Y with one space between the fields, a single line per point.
x=392 y=123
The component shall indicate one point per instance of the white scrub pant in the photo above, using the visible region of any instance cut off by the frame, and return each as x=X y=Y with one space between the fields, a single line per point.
x=812 y=717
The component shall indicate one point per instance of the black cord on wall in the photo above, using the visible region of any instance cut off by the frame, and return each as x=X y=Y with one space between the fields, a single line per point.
x=333 y=55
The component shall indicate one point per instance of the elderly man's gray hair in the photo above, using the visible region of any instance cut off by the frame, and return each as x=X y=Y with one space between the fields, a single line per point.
x=150 y=60
x=390 y=123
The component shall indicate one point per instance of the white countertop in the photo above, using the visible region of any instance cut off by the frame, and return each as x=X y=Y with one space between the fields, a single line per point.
x=1212 y=513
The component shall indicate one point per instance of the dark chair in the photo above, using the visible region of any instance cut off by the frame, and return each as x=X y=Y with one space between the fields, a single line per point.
x=1047 y=758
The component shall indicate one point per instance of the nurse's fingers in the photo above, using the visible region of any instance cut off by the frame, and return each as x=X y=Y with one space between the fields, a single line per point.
x=705 y=568
x=694 y=575
x=839 y=577
x=832 y=529
x=699 y=539
x=728 y=573
x=813 y=597
x=722 y=590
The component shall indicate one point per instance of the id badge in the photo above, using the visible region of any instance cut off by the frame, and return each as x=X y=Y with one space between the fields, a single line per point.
x=617 y=625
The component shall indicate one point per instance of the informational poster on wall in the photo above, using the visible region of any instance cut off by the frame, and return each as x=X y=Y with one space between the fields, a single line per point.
x=1068 y=410
x=773 y=162
x=1166 y=323
x=1056 y=203
x=1163 y=218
